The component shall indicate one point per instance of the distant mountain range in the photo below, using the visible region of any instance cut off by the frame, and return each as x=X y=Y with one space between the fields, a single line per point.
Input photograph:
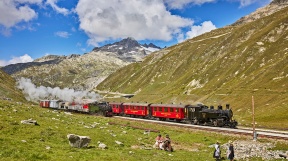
x=81 y=71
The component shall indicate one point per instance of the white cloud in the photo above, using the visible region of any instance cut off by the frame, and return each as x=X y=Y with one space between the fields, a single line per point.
x=245 y=3
x=179 y=4
x=78 y=44
x=106 y=20
x=5 y=31
x=180 y=37
x=11 y=12
x=21 y=59
x=3 y=63
x=58 y=9
x=206 y=26
x=29 y=1
x=63 y=34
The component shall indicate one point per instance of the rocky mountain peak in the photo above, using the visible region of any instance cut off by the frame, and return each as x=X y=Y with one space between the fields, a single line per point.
x=128 y=49
x=128 y=43
x=277 y=2
x=48 y=58
x=151 y=45
x=274 y=6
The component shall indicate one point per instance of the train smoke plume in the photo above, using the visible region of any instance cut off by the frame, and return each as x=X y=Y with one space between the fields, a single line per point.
x=34 y=93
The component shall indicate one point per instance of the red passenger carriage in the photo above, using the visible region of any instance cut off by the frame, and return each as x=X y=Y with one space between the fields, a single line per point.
x=168 y=111
x=136 y=109
x=117 y=108
x=45 y=103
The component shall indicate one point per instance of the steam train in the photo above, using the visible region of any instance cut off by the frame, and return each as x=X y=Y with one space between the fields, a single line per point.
x=193 y=114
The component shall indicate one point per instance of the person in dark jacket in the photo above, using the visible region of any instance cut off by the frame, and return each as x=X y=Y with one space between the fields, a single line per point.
x=167 y=144
x=230 y=154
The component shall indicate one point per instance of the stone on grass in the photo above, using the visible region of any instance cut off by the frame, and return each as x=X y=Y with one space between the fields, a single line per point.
x=78 y=141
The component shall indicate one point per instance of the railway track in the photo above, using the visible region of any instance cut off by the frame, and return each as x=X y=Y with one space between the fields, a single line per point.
x=261 y=133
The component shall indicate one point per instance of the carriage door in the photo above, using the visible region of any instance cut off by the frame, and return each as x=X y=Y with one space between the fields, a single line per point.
x=189 y=115
x=149 y=110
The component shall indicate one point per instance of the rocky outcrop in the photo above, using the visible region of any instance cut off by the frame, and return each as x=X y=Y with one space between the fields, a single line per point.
x=273 y=7
x=279 y=2
x=78 y=141
x=249 y=149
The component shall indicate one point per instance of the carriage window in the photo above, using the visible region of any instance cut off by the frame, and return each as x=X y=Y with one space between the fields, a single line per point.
x=160 y=108
x=155 y=108
x=142 y=108
x=171 y=109
x=176 y=109
x=165 y=109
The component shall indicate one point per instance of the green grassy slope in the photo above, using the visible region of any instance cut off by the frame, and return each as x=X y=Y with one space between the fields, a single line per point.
x=48 y=141
x=227 y=65
x=8 y=88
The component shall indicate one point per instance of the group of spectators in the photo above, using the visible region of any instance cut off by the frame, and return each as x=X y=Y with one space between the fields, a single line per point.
x=165 y=144
x=230 y=151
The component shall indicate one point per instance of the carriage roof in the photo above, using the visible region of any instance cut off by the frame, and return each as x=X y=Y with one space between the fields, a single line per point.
x=168 y=105
x=136 y=104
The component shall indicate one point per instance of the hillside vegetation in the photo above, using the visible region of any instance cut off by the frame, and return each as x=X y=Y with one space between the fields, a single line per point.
x=8 y=88
x=226 y=65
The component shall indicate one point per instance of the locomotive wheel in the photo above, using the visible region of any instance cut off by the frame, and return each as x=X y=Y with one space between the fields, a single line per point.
x=215 y=123
x=195 y=122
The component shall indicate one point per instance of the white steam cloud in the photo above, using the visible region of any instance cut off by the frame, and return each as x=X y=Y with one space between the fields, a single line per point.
x=34 y=93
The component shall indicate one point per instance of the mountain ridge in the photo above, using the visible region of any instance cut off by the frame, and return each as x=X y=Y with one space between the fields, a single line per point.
x=80 y=72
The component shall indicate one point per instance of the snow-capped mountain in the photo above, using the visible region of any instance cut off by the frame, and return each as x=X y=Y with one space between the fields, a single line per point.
x=128 y=49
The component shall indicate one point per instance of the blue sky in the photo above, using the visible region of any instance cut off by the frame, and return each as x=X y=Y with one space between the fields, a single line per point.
x=30 y=29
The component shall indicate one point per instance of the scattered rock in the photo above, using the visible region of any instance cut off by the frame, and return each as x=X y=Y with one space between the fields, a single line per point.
x=118 y=142
x=30 y=122
x=78 y=141
x=102 y=145
x=248 y=149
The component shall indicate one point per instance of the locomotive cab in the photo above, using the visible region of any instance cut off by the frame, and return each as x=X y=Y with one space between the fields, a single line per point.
x=193 y=113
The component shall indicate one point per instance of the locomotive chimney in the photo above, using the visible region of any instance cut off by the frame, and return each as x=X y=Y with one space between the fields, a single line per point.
x=219 y=107
x=211 y=107
x=227 y=106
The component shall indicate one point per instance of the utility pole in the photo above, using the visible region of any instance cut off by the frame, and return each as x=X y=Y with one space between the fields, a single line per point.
x=253 y=120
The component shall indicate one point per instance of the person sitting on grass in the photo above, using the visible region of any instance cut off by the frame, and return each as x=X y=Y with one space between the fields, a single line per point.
x=167 y=144
x=159 y=141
